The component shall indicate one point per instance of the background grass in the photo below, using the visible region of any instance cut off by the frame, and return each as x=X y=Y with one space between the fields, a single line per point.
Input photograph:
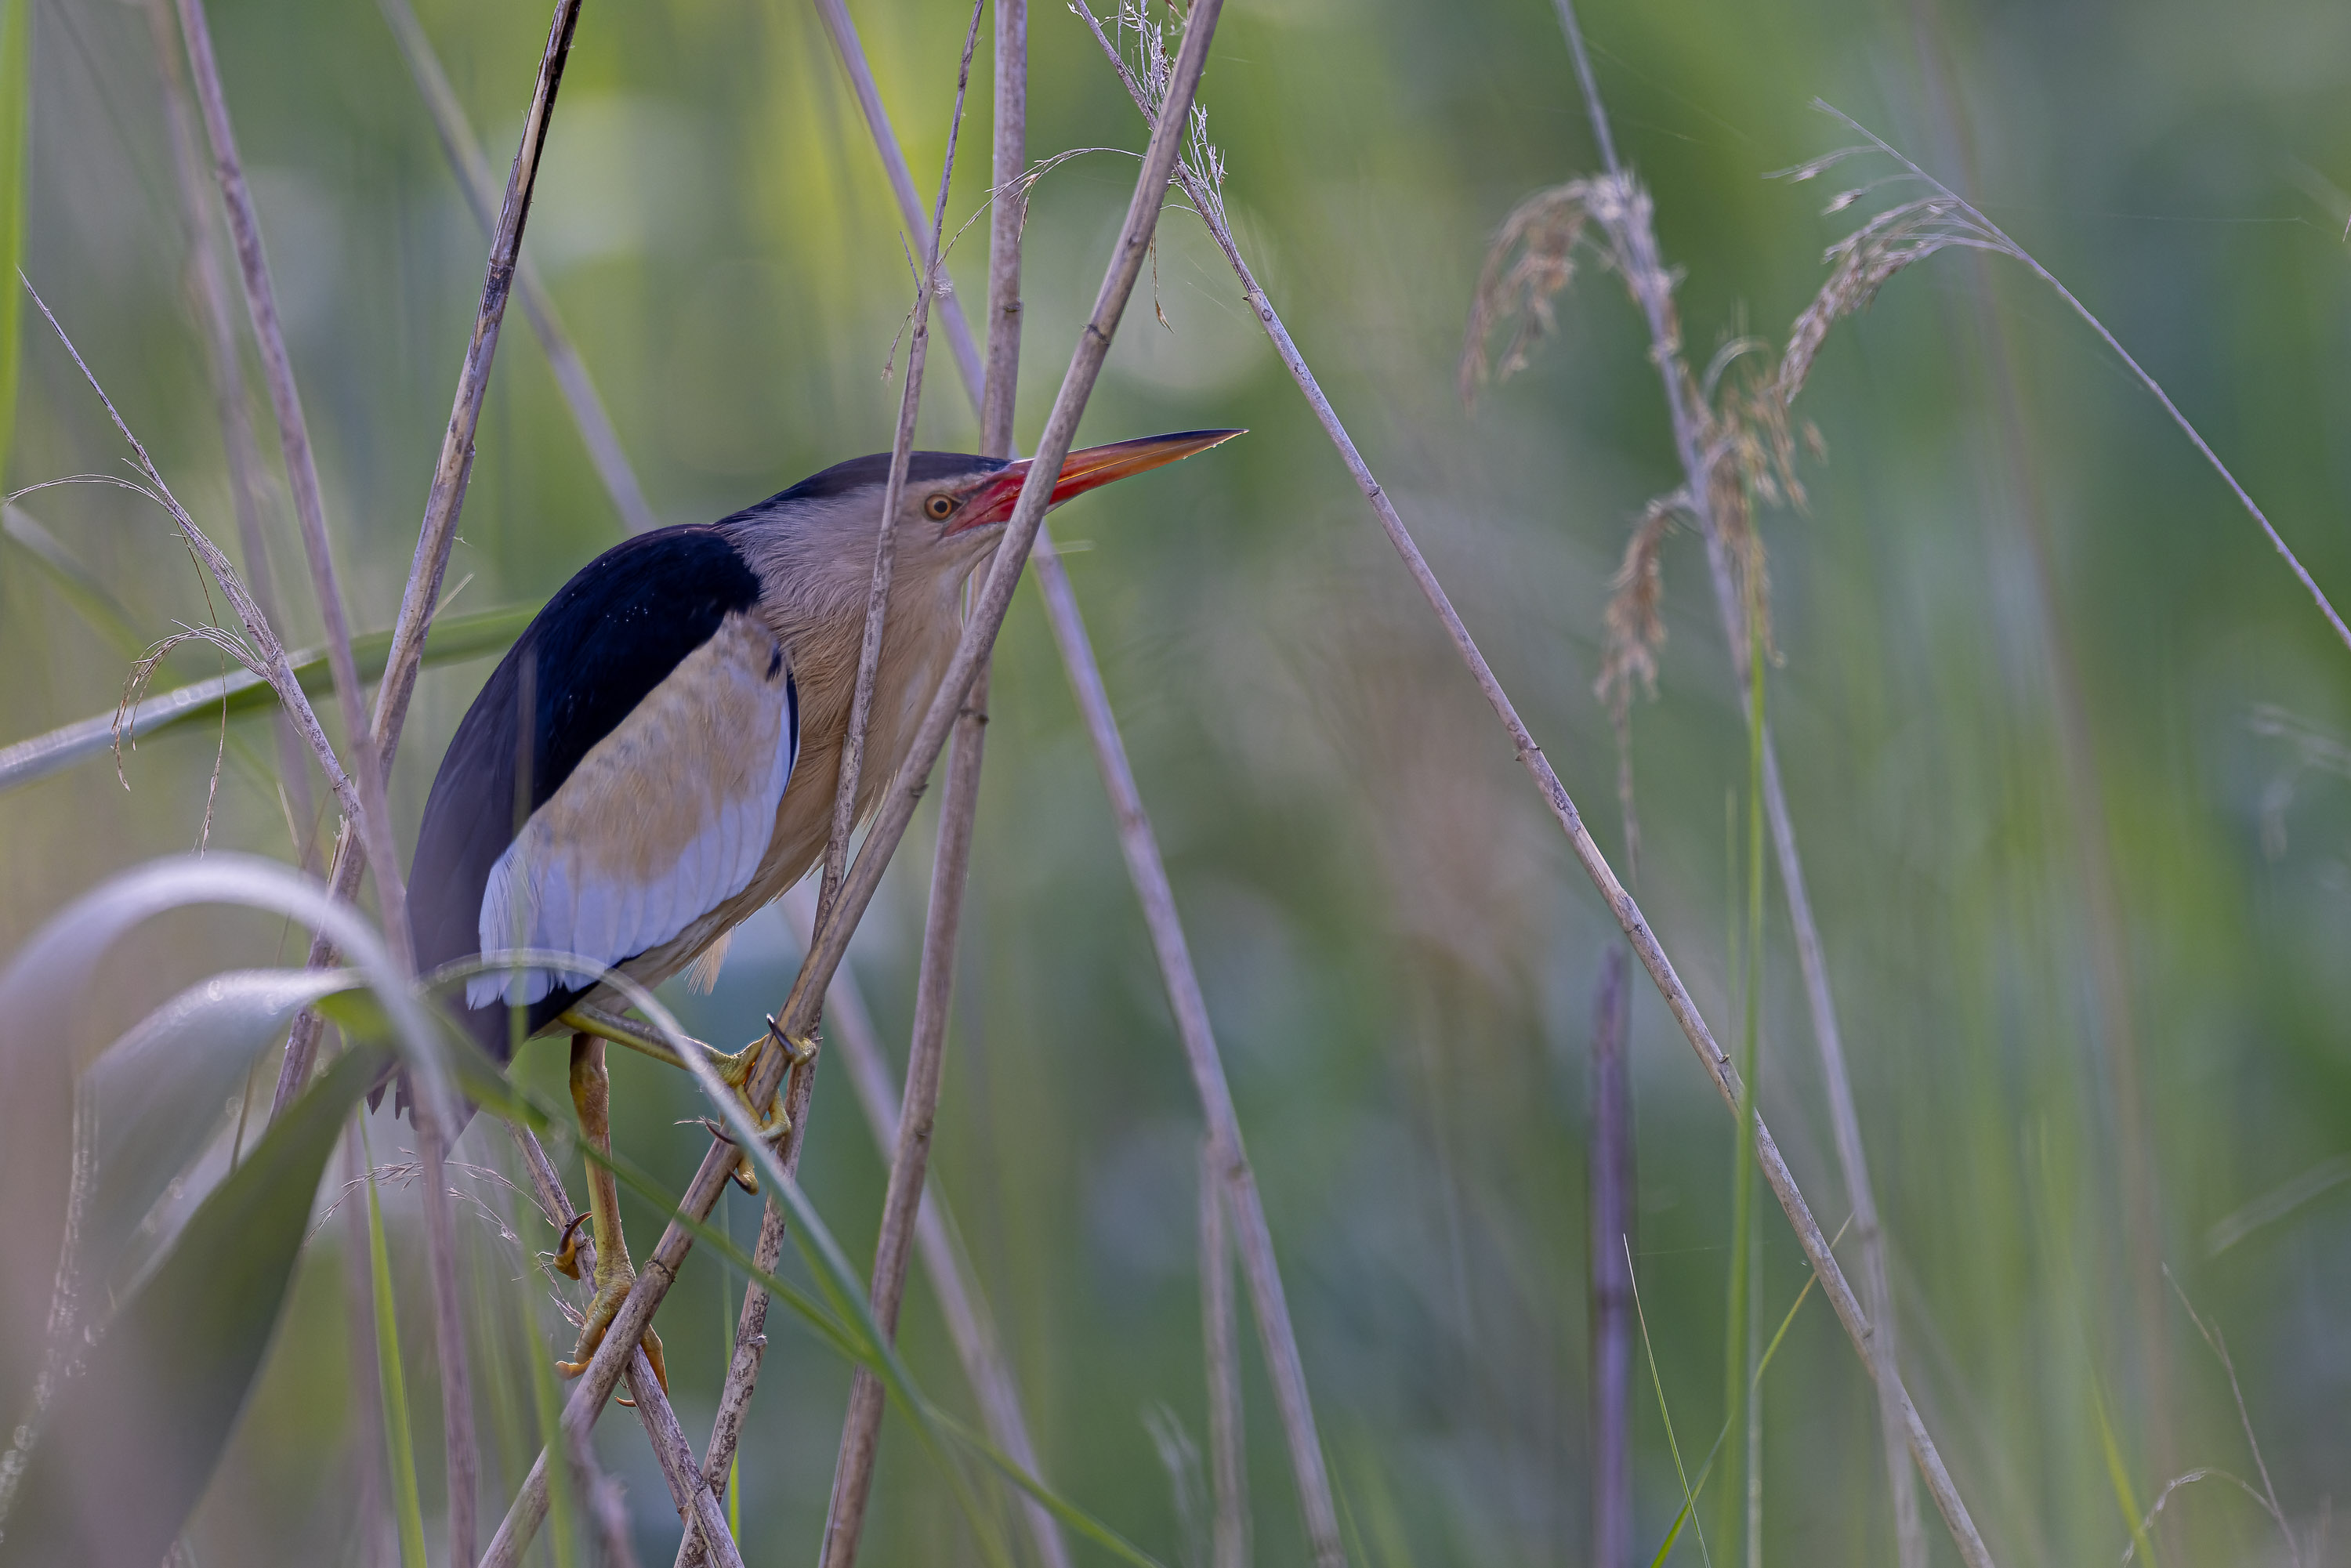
x=1399 y=956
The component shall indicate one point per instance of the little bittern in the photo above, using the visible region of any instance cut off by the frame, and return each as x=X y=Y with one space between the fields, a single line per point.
x=657 y=756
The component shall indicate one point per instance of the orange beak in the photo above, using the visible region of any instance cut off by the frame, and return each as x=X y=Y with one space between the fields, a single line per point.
x=1088 y=470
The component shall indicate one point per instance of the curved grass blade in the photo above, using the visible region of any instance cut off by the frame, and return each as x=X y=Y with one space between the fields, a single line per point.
x=155 y=1401
x=154 y=1095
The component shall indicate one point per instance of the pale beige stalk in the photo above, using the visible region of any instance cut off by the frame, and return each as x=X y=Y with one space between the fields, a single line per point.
x=1564 y=809
x=444 y=503
x=1148 y=872
x=1650 y=284
x=831 y=940
x=367 y=765
x=861 y=1431
x=689 y=1493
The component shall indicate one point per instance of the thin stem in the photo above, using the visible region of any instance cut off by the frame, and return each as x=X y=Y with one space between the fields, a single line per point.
x=830 y=941
x=480 y=188
x=689 y=1493
x=954 y=1281
x=1148 y=872
x=2153 y=387
x=861 y=1431
x=444 y=503
x=894 y=491
x=1621 y=903
x=309 y=511
x=1651 y=285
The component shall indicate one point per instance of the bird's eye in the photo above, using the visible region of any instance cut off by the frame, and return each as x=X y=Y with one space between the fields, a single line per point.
x=940 y=508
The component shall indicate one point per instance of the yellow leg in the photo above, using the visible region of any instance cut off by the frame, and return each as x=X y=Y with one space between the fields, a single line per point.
x=592 y=1096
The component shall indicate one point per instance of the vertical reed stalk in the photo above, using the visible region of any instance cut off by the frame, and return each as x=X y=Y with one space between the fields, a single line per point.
x=1148 y=872
x=830 y=942
x=367 y=765
x=952 y=1281
x=860 y=1432
x=444 y=503
x=1621 y=903
x=1653 y=288
x=1220 y=1353
x=371 y=746
x=689 y=1493
x=369 y=1452
x=1610 y=1152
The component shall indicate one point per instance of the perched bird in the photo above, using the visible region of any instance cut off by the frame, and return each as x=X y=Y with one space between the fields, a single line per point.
x=657 y=756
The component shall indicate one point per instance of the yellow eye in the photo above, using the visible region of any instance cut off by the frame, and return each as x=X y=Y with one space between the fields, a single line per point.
x=940 y=508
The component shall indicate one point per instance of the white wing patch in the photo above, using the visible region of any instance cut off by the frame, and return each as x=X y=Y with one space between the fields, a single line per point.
x=665 y=820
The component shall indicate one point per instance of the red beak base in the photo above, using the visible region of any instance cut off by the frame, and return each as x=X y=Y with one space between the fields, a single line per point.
x=1087 y=470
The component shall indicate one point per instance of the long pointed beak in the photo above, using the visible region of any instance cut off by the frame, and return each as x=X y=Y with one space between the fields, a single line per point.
x=1087 y=470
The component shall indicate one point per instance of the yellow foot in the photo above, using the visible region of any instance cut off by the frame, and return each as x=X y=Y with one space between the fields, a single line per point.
x=773 y=1122
x=601 y=1311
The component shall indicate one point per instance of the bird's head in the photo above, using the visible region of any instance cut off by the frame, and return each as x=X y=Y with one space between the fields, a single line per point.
x=951 y=513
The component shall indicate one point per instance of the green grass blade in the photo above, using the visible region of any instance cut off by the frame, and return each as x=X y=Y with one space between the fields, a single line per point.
x=158 y=1396
x=155 y=1093
x=1690 y=1495
x=15 y=132
x=2119 y=1472
x=74 y=583
x=452 y=639
x=399 y=1436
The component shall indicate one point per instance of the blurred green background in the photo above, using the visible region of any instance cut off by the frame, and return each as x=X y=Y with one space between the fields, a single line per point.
x=2034 y=657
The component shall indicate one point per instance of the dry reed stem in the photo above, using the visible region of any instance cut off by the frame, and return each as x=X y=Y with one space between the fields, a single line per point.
x=829 y=943
x=215 y=315
x=479 y=186
x=954 y=1283
x=861 y=1431
x=1703 y=496
x=372 y=757
x=1595 y=865
x=831 y=939
x=374 y=824
x=893 y=490
x=689 y=1493
x=918 y=1111
x=1608 y=1240
x=444 y=503
x=1220 y=1356
x=373 y=745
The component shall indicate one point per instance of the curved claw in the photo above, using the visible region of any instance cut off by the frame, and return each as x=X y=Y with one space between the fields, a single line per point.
x=567 y=1254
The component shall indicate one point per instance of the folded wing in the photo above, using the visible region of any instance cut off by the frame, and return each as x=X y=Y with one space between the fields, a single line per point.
x=663 y=819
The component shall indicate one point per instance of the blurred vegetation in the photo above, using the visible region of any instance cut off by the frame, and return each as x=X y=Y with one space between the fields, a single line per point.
x=2042 y=688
